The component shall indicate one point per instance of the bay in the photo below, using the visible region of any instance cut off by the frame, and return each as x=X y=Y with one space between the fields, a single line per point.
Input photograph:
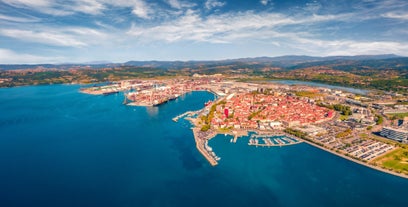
x=59 y=147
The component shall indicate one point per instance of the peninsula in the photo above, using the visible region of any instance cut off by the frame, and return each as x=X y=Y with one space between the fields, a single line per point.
x=358 y=127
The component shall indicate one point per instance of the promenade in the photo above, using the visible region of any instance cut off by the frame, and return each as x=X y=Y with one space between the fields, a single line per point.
x=356 y=161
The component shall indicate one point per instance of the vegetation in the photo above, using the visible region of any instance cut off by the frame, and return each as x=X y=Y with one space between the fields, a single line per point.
x=343 y=117
x=345 y=110
x=296 y=133
x=344 y=134
x=309 y=94
x=379 y=119
x=396 y=161
x=253 y=114
x=207 y=119
x=398 y=116
x=205 y=127
x=42 y=76
x=384 y=74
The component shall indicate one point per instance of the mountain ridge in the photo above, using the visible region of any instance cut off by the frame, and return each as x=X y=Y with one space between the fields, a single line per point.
x=278 y=61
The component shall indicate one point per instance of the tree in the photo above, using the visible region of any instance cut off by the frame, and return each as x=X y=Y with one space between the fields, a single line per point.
x=379 y=119
x=205 y=128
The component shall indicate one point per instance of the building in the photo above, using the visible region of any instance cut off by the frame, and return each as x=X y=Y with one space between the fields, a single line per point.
x=275 y=125
x=400 y=135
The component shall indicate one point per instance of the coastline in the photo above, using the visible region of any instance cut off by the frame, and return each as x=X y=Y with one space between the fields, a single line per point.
x=201 y=138
x=213 y=162
x=356 y=161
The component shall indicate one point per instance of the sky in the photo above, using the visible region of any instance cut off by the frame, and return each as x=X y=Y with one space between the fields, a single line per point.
x=79 y=31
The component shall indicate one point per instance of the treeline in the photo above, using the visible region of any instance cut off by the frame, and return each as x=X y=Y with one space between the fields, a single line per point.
x=207 y=119
x=296 y=133
x=345 y=110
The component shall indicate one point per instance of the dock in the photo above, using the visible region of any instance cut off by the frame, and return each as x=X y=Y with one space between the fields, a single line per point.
x=188 y=113
x=237 y=134
x=202 y=146
x=272 y=140
x=235 y=139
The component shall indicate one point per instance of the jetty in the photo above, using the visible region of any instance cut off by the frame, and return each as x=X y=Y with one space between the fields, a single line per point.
x=235 y=139
x=188 y=113
x=201 y=140
x=272 y=140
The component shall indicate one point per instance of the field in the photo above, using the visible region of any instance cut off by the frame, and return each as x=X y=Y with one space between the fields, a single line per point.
x=396 y=161
x=309 y=94
x=398 y=115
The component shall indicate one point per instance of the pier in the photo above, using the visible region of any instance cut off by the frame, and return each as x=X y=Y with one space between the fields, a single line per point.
x=237 y=134
x=272 y=140
x=188 y=113
x=235 y=139
x=202 y=146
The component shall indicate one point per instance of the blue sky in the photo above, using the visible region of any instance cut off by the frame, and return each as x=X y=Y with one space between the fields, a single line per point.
x=61 y=31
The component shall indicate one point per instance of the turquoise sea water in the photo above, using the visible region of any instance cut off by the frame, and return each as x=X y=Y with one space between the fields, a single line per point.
x=59 y=147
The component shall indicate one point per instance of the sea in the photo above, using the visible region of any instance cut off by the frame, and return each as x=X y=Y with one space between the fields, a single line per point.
x=63 y=148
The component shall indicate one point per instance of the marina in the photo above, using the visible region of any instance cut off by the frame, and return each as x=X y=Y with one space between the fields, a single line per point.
x=272 y=140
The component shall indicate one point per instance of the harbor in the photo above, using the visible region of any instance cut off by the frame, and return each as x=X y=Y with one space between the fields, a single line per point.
x=272 y=140
x=201 y=140
x=267 y=110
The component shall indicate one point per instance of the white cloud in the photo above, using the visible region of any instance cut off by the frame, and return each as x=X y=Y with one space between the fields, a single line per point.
x=301 y=31
x=264 y=2
x=210 y=4
x=180 y=4
x=10 y=57
x=31 y=3
x=141 y=10
x=83 y=32
x=43 y=6
x=49 y=38
x=174 y=3
x=369 y=48
x=18 y=19
x=346 y=47
x=262 y=27
x=393 y=15
x=66 y=37
x=223 y=28
x=94 y=7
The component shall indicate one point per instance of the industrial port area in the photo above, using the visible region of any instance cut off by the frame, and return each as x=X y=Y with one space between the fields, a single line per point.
x=354 y=126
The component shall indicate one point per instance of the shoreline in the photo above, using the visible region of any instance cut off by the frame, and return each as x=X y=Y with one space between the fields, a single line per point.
x=201 y=138
x=356 y=161
x=213 y=162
